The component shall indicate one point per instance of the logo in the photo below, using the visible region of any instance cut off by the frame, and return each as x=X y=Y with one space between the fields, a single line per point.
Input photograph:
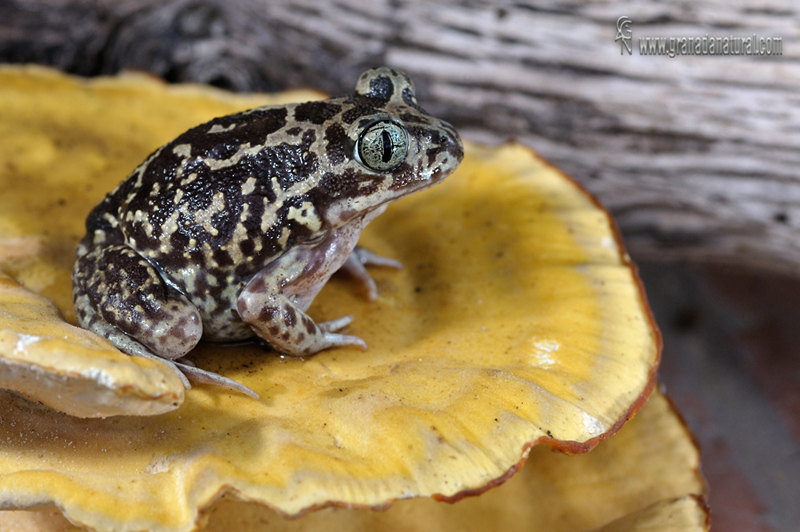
x=624 y=34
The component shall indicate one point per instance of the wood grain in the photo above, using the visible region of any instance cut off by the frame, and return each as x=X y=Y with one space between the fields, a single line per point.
x=696 y=156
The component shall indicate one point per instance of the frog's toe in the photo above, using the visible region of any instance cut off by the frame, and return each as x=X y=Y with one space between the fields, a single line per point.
x=338 y=340
x=369 y=258
x=334 y=339
x=355 y=266
x=335 y=325
x=201 y=376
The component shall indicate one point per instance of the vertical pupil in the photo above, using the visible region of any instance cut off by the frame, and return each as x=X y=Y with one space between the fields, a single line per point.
x=387 y=145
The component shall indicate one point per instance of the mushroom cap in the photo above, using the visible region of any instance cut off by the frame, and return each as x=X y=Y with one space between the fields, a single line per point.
x=517 y=320
x=72 y=370
x=646 y=478
x=647 y=473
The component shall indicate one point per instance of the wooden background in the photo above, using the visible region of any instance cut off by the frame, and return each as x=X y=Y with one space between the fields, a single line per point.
x=697 y=157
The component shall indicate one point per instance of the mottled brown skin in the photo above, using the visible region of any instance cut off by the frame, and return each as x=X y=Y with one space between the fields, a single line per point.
x=230 y=230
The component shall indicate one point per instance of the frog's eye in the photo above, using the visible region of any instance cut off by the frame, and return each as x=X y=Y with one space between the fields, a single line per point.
x=382 y=146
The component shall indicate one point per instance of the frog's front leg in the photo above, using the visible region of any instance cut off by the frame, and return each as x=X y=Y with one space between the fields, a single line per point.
x=273 y=303
x=284 y=325
x=121 y=297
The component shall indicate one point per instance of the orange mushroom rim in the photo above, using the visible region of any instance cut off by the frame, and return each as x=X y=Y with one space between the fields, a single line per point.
x=575 y=447
x=564 y=446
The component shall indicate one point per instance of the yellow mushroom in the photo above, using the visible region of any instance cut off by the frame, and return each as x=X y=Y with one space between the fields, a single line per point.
x=645 y=478
x=646 y=474
x=517 y=320
x=72 y=370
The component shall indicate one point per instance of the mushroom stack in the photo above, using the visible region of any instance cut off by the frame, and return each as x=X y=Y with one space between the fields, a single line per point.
x=517 y=325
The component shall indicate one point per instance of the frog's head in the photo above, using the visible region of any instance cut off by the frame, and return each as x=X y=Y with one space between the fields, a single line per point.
x=383 y=146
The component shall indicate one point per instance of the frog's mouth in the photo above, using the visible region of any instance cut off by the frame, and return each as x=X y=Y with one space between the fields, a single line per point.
x=407 y=180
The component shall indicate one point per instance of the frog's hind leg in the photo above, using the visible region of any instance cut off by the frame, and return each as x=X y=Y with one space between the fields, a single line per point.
x=120 y=296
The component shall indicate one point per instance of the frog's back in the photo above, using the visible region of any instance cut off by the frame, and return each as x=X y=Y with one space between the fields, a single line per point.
x=216 y=183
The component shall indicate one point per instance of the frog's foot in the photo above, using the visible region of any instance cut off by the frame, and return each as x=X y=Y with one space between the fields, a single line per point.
x=188 y=372
x=355 y=266
x=284 y=325
x=91 y=321
x=202 y=376
x=329 y=328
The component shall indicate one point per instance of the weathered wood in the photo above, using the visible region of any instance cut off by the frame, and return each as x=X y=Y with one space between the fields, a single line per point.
x=697 y=157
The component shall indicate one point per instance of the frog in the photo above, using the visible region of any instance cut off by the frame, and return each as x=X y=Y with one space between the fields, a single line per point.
x=228 y=232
